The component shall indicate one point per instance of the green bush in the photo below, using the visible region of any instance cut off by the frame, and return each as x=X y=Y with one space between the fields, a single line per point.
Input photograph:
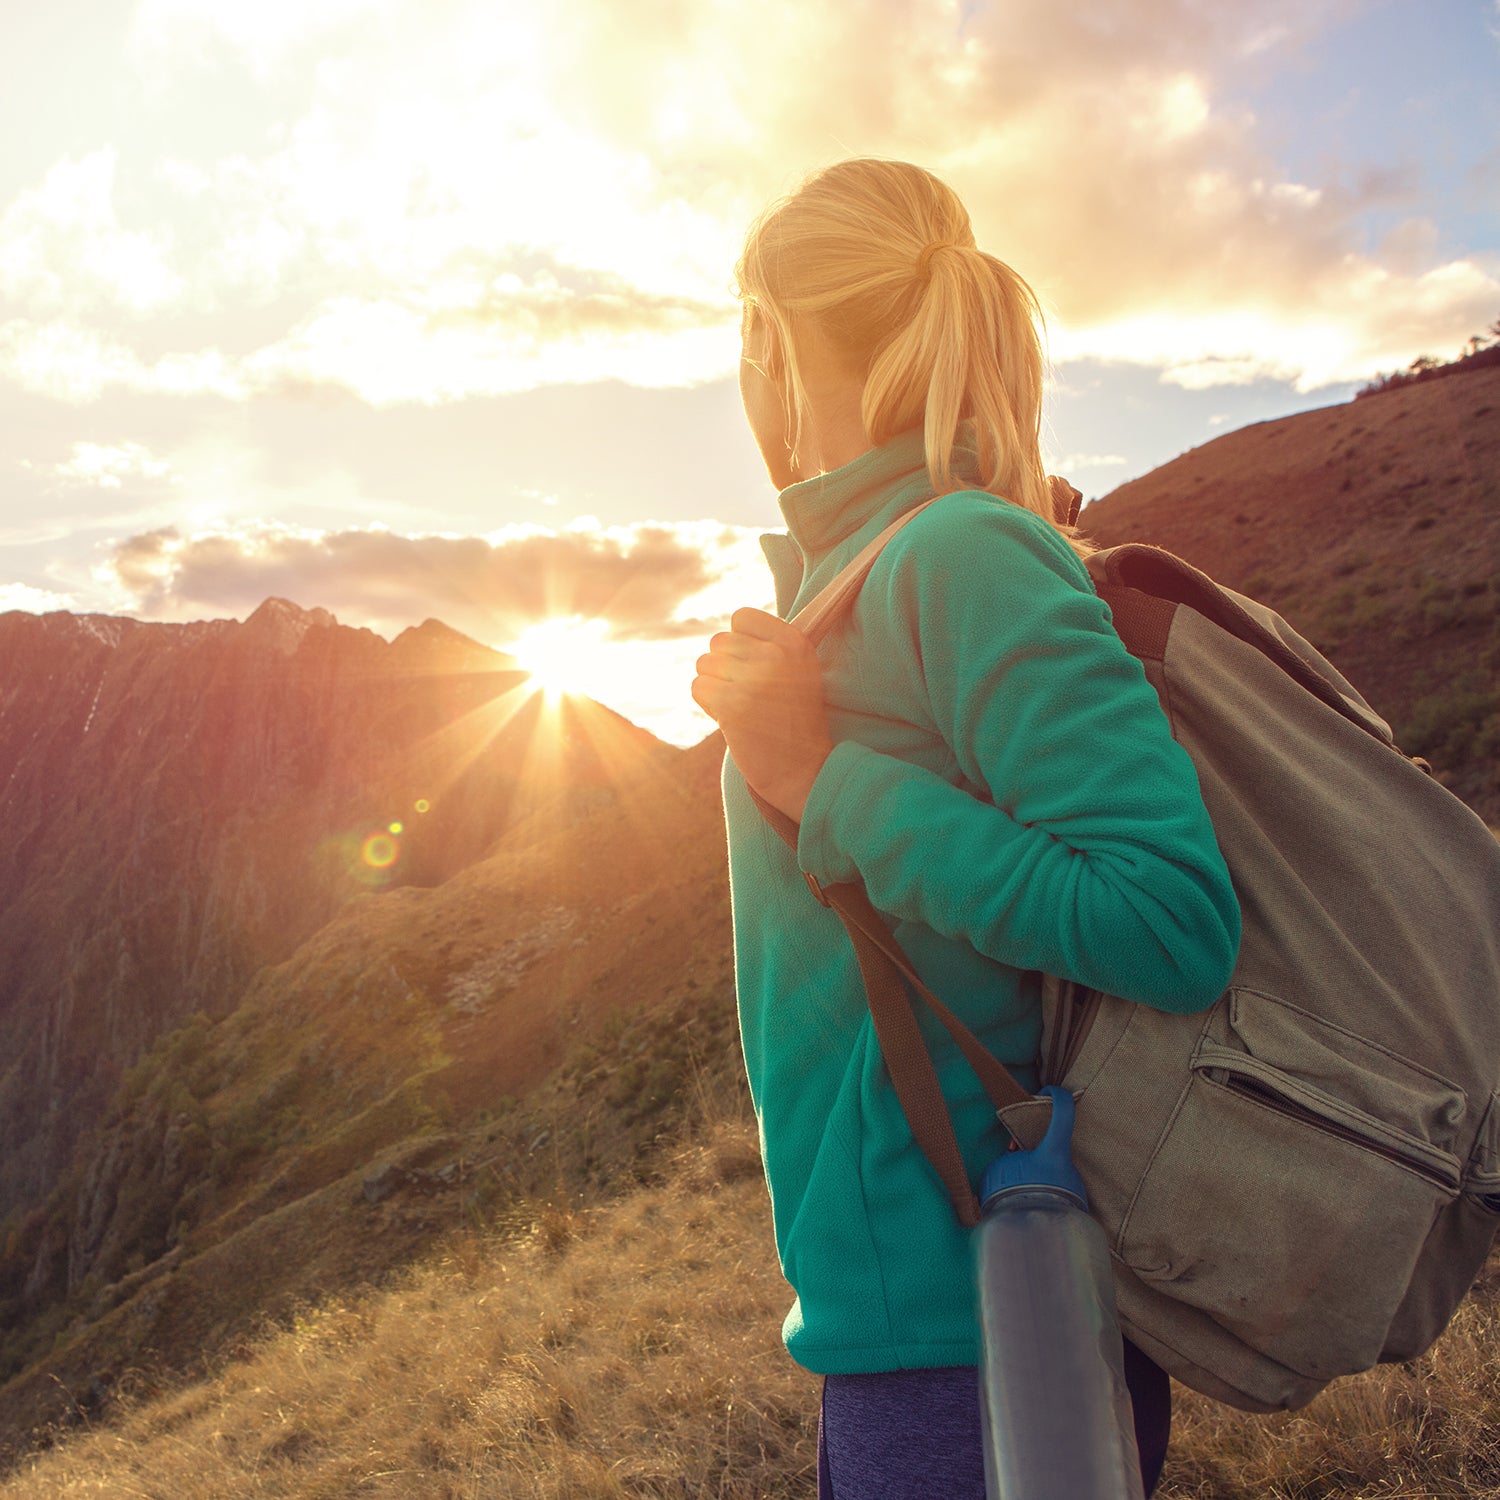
x=1459 y=722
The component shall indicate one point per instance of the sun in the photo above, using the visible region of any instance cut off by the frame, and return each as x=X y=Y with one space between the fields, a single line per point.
x=567 y=654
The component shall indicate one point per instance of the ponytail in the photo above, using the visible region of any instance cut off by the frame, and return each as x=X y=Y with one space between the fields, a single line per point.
x=880 y=256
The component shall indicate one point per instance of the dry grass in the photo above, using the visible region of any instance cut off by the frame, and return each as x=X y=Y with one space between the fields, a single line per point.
x=1421 y=1431
x=632 y=1350
x=626 y=1351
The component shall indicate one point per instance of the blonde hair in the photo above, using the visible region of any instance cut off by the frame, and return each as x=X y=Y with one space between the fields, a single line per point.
x=880 y=258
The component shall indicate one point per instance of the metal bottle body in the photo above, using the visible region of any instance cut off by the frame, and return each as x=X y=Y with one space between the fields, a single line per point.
x=1058 y=1423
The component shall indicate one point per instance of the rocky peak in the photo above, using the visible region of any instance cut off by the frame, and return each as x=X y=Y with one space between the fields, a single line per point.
x=440 y=647
x=283 y=624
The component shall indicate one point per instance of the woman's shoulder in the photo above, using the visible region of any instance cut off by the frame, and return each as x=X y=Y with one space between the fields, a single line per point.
x=974 y=529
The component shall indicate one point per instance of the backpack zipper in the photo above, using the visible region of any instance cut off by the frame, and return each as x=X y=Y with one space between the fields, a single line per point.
x=1261 y=1093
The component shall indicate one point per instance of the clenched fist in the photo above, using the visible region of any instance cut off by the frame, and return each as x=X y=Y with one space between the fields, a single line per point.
x=762 y=684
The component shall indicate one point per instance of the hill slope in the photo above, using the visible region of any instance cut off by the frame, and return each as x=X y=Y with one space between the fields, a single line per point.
x=630 y=1350
x=1374 y=527
x=191 y=805
x=385 y=1081
x=186 y=803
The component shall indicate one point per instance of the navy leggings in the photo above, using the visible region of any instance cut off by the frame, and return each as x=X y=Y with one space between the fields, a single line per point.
x=911 y=1434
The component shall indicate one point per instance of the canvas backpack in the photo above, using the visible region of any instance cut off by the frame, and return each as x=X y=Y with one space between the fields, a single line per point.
x=1303 y=1180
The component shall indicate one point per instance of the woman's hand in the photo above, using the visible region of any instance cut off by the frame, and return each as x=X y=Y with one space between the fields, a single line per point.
x=762 y=683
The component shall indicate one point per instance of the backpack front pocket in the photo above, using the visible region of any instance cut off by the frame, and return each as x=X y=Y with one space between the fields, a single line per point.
x=1291 y=1214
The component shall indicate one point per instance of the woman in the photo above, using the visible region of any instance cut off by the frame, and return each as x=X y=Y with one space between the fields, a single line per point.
x=974 y=744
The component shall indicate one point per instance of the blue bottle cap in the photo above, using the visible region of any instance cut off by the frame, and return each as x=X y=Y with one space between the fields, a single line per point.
x=1049 y=1165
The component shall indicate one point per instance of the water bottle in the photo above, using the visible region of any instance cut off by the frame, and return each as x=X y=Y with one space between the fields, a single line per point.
x=1058 y=1423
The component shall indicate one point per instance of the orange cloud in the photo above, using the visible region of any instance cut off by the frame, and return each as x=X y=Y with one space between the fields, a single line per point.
x=474 y=199
x=645 y=580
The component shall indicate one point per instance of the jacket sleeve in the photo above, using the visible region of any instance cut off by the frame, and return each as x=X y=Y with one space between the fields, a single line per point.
x=1072 y=836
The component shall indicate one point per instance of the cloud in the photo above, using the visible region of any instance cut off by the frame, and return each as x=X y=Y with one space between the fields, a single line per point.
x=1072 y=462
x=649 y=582
x=389 y=351
x=509 y=337
x=69 y=361
x=63 y=248
x=471 y=200
x=33 y=600
x=108 y=467
x=168 y=36
x=1310 y=342
x=1156 y=226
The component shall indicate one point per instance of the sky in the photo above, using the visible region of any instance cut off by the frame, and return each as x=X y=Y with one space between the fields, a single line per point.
x=414 y=310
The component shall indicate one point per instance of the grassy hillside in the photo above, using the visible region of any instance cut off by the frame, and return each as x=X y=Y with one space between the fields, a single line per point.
x=622 y=1350
x=427 y=1059
x=1374 y=527
x=629 y=1349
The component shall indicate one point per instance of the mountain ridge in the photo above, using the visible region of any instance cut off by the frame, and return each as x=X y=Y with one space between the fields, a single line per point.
x=229 y=771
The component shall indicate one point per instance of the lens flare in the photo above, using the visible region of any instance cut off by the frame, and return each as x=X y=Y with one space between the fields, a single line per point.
x=379 y=851
x=422 y=804
x=397 y=828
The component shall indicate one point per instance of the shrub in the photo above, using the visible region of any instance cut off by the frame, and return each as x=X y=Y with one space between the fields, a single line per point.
x=1458 y=722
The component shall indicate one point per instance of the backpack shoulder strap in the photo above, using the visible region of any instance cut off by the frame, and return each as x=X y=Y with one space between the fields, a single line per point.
x=890 y=982
x=1143 y=585
x=818 y=616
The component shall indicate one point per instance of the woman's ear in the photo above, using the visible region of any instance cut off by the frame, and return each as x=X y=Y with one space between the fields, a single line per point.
x=771 y=360
x=760 y=343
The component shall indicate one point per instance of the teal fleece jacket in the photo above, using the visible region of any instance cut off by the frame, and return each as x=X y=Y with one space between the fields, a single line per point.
x=1004 y=783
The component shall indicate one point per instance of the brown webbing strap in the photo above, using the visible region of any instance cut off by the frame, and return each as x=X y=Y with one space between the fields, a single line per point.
x=882 y=963
x=883 y=966
x=857 y=914
x=913 y=1075
x=833 y=601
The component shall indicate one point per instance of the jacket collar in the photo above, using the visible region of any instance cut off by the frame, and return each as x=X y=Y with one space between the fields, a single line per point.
x=823 y=511
x=862 y=495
